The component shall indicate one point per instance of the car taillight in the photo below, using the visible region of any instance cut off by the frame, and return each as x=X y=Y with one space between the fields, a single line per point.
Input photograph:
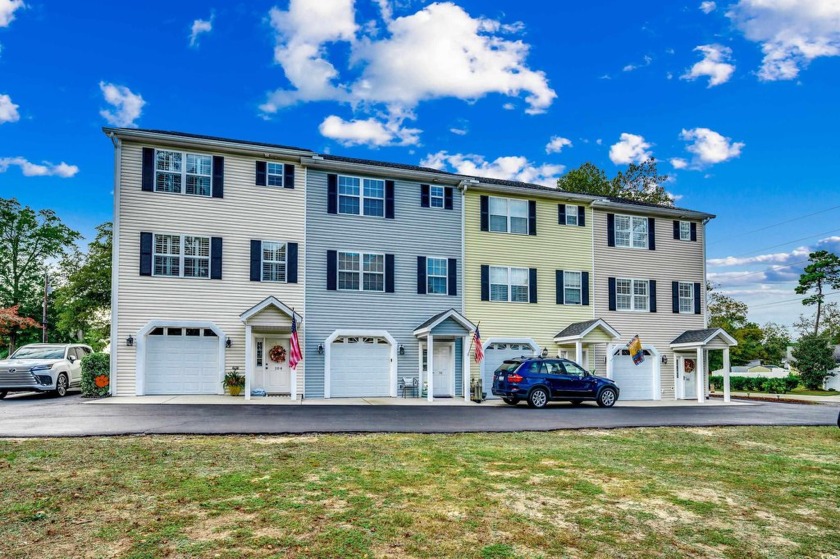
x=514 y=378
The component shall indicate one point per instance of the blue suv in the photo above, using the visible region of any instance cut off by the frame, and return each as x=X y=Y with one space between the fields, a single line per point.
x=539 y=381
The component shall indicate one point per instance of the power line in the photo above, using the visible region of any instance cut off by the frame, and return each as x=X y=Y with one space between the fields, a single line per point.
x=750 y=274
x=782 y=223
x=759 y=250
x=788 y=301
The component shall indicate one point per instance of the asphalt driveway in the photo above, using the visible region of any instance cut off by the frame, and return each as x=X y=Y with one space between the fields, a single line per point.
x=45 y=416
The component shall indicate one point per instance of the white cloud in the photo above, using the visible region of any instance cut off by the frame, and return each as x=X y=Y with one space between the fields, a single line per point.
x=775 y=258
x=708 y=147
x=370 y=132
x=200 y=26
x=515 y=168
x=715 y=64
x=678 y=163
x=8 y=9
x=791 y=32
x=556 y=144
x=45 y=169
x=708 y=7
x=128 y=105
x=8 y=110
x=459 y=131
x=646 y=61
x=630 y=148
x=508 y=106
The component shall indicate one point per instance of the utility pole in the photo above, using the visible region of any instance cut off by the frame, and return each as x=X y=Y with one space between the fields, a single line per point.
x=44 y=315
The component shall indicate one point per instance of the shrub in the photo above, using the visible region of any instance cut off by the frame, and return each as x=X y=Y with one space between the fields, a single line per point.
x=96 y=375
x=757 y=384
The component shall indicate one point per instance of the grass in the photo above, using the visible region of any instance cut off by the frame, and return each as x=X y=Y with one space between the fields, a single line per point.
x=806 y=392
x=717 y=492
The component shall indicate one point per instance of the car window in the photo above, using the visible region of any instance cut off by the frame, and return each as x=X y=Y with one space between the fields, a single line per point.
x=39 y=352
x=573 y=368
x=83 y=351
x=553 y=368
x=534 y=368
x=508 y=367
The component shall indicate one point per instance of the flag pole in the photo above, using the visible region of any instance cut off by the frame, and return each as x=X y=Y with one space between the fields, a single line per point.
x=472 y=338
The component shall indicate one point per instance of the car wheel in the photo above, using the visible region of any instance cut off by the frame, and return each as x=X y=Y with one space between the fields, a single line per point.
x=607 y=398
x=61 y=385
x=538 y=398
x=512 y=401
x=3 y=394
x=576 y=402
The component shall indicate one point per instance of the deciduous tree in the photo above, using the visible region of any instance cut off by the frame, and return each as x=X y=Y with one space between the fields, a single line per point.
x=814 y=360
x=640 y=182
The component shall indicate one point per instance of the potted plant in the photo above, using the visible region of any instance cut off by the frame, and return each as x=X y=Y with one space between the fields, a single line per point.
x=234 y=382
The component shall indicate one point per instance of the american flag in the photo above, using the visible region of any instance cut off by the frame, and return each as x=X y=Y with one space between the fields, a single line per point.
x=479 y=352
x=295 y=356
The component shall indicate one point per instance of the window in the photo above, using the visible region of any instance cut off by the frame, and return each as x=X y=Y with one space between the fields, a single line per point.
x=183 y=173
x=508 y=215
x=259 y=353
x=685 y=230
x=182 y=256
x=436 y=276
x=686 y=297
x=509 y=284
x=572 y=288
x=273 y=261
x=571 y=215
x=361 y=271
x=631 y=231
x=631 y=295
x=365 y=196
x=436 y=196
x=274 y=174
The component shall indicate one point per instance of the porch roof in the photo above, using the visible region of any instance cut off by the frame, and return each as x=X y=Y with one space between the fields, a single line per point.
x=270 y=302
x=700 y=338
x=437 y=319
x=579 y=330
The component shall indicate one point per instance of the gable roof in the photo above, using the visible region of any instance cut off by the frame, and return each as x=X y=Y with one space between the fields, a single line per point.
x=430 y=324
x=702 y=337
x=581 y=329
x=270 y=301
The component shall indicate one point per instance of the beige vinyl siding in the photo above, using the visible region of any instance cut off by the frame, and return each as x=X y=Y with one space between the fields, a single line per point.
x=673 y=260
x=246 y=212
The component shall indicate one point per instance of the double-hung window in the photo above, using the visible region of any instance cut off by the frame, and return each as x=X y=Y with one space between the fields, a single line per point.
x=508 y=284
x=182 y=256
x=686 y=297
x=572 y=288
x=631 y=295
x=183 y=173
x=274 y=174
x=273 y=261
x=436 y=196
x=358 y=271
x=359 y=196
x=571 y=215
x=631 y=231
x=508 y=216
x=436 y=276
x=685 y=230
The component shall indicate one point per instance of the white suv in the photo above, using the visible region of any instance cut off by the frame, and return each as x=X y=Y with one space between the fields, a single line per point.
x=43 y=368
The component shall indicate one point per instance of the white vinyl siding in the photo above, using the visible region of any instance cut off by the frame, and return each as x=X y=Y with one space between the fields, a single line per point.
x=685 y=230
x=183 y=173
x=436 y=276
x=509 y=284
x=274 y=174
x=631 y=295
x=181 y=256
x=571 y=215
x=361 y=196
x=273 y=261
x=508 y=216
x=572 y=288
x=631 y=231
x=361 y=271
x=686 y=293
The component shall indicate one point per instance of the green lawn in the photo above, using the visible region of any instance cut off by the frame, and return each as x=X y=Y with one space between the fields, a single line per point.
x=697 y=492
x=806 y=392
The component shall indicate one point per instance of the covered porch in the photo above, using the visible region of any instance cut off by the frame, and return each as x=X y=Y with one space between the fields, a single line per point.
x=578 y=340
x=691 y=349
x=444 y=356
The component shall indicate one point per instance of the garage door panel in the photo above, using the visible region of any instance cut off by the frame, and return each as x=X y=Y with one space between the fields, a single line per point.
x=360 y=370
x=177 y=364
x=496 y=354
x=634 y=381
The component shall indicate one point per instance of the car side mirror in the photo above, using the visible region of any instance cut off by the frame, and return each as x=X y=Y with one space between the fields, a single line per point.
x=71 y=359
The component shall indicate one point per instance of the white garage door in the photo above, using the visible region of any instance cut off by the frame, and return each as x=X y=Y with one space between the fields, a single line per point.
x=182 y=361
x=360 y=367
x=495 y=355
x=634 y=381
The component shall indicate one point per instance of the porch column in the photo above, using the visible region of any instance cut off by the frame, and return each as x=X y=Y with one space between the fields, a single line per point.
x=609 y=360
x=430 y=371
x=419 y=368
x=249 y=360
x=726 y=393
x=465 y=367
x=701 y=390
x=579 y=353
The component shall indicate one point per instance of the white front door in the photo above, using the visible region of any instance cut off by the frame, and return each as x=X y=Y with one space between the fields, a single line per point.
x=272 y=372
x=444 y=369
x=687 y=371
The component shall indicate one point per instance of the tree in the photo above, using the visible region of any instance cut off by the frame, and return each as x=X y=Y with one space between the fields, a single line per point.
x=640 y=182
x=726 y=312
x=776 y=341
x=11 y=321
x=28 y=239
x=829 y=323
x=750 y=346
x=822 y=272
x=814 y=360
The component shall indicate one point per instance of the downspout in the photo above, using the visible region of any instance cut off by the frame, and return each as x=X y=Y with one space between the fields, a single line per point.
x=115 y=265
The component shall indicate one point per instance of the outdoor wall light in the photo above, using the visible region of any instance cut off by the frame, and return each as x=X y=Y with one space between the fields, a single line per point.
x=228 y=343
x=402 y=349
x=129 y=341
x=320 y=349
x=664 y=359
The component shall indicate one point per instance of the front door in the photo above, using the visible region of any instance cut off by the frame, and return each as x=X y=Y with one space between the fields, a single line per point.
x=687 y=370
x=444 y=369
x=272 y=372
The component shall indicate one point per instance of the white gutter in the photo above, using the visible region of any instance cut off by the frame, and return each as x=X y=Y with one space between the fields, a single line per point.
x=317 y=162
x=652 y=210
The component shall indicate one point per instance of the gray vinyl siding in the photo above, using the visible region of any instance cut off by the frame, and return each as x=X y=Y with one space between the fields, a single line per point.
x=449 y=327
x=673 y=260
x=415 y=231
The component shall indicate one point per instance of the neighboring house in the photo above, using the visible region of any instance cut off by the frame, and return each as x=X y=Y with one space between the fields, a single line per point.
x=833 y=382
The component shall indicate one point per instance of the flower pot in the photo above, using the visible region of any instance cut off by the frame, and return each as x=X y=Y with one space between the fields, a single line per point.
x=234 y=390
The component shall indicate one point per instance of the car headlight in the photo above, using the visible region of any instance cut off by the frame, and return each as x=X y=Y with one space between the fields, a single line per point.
x=40 y=368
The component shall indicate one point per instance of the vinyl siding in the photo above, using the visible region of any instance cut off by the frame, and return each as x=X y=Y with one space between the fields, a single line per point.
x=415 y=231
x=246 y=212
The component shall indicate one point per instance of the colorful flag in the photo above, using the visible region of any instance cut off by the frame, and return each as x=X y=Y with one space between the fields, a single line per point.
x=635 y=347
x=479 y=351
x=295 y=356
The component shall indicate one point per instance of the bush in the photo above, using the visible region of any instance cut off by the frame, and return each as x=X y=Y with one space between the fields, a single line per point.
x=757 y=384
x=96 y=375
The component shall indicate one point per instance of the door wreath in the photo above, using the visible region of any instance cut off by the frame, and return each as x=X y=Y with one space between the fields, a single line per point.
x=688 y=365
x=277 y=354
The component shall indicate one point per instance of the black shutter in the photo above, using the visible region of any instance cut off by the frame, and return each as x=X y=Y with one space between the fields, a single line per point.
x=581 y=216
x=611 y=232
x=292 y=263
x=288 y=175
x=676 y=230
x=559 y=281
x=485 y=214
x=216 y=258
x=485 y=282
x=389 y=199
x=148 y=184
x=256 y=260
x=261 y=173
x=693 y=231
x=421 y=275
x=651 y=233
x=332 y=270
x=675 y=295
x=561 y=214
x=453 y=276
x=447 y=198
x=389 y=273
x=146 y=253
x=532 y=217
x=218 y=176
x=697 y=309
x=611 y=283
x=332 y=194
x=532 y=285
x=652 y=293
x=584 y=285
x=424 y=195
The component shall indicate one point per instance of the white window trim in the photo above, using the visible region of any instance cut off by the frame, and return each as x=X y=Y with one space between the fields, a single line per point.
x=633 y=295
x=445 y=276
x=574 y=214
x=269 y=174
x=181 y=256
x=508 y=230
x=361 y=196
x=509 y=285
x=687 y=230
x=361 y=271
x=184 y=173
x=263 y=261
x=632 y=218
x=579 y=288
x=680 y=298
x=432 y=197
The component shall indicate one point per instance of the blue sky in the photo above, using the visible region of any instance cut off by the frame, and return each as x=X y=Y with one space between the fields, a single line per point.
x=736 y=100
